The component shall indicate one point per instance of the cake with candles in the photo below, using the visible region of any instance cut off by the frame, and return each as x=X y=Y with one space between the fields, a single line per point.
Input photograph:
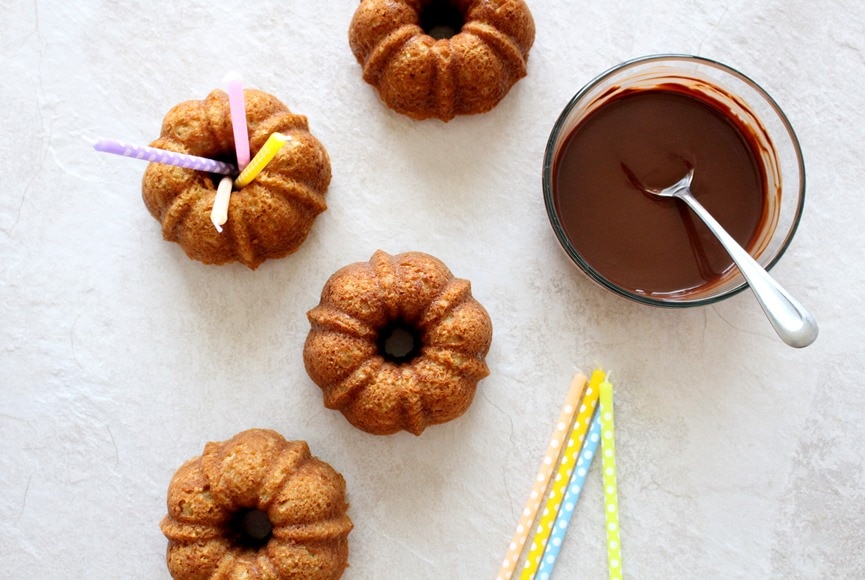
x=397 y=343
x=257 y=506
x=268 y=217
x=441 y=58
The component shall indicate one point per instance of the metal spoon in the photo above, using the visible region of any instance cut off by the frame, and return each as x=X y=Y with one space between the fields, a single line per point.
x=791 y=321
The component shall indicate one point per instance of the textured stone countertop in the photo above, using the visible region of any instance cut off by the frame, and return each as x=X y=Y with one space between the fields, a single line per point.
x=738 y=457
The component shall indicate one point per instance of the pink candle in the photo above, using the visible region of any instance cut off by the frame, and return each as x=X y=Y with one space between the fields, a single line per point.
x=238 y=118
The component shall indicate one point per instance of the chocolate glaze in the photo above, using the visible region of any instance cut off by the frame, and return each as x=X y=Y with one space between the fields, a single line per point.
x=641 y=243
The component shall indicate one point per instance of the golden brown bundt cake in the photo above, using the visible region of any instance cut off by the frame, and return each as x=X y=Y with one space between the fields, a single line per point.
x=256 y=506
x=422 y=76
x=270 y=217
x=397 y=343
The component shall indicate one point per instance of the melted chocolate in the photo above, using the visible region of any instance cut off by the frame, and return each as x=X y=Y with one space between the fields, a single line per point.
x=641 y=243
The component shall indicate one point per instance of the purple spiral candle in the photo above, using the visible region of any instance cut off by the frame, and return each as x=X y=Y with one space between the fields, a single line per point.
x=162 y=156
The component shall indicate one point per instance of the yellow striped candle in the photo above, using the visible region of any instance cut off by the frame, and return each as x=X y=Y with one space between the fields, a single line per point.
x=271 y=147
x=542 y=480
x=611 y=501
x=563 y=475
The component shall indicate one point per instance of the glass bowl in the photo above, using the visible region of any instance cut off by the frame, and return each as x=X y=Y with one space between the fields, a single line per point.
x=743 y=102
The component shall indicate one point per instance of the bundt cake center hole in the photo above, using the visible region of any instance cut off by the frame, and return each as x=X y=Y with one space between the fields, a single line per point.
x=441 y=19
x=227 y=157
x=399 y=342
x=250 y=528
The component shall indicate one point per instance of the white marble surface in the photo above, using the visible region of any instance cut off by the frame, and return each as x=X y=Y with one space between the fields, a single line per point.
x=119 y=357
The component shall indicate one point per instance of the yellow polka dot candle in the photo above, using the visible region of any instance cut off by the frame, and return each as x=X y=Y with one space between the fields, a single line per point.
x=563 y=475
x=611 y=502
x=542 y=480
x=569 y=504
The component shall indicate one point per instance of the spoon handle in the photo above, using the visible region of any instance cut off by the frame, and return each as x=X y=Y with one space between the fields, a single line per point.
x=793 y=323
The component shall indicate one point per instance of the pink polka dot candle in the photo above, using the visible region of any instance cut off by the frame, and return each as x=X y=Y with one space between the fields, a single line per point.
x=542 y=480
x=564 y=470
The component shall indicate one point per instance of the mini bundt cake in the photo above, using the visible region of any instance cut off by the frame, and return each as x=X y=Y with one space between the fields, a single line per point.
x=397 y=343
x=422 y=76
x=256 y=506
x=268 y=218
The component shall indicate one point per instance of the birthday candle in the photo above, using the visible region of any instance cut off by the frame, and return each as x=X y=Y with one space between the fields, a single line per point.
x=542 y=480
x=162 y=156
x=236 y=105
x=572 y=496
x=611 y=502
x=219 y=213
x=563 y=475
x=271 y=147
